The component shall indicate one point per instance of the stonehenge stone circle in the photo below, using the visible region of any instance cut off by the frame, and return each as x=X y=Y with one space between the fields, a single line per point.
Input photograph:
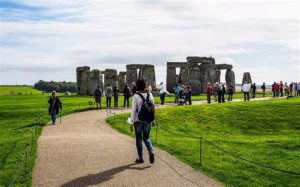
x=247 y=78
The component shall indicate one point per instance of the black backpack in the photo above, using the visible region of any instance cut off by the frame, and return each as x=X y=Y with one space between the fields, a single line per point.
x=98 y=92
x=147 y=113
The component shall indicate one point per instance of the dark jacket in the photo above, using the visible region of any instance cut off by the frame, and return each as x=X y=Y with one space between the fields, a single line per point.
x=126 y=92
x=98 y=93
x=230 y=89
x=54 y=105
x=116 y=91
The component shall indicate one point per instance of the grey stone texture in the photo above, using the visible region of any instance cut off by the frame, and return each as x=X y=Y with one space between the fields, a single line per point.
x=197 y=72
x=143 y=71
x=230 y=78
x=88 y=80
x=110 y=77
x=247 y=78
x=122 y=80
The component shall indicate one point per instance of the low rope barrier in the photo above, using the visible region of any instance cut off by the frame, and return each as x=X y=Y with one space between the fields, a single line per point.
x=225 y=151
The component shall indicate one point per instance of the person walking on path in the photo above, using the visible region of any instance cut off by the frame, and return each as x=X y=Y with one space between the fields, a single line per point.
x=253 y=88
x=286 y=89
x=263 y=88
x=108 y=94
x=98 y=96
x=223 y=93
x=246 y=89
x=281 y=89
x=142 y=116
x=54 y=106
x=230 y=91
x=209 y=91
x=127 y=95
x=163 y=92
x=116 y=95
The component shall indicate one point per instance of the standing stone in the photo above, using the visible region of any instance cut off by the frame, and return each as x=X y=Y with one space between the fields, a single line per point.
x=230 y=78
x=95 y=79
x=110 y=77
x=194 y=80
x=147 y=72
x=82 y=74
x=183 y=75
x=171 y=78
x=131 y=75
x=247 y=78
x=122 y=80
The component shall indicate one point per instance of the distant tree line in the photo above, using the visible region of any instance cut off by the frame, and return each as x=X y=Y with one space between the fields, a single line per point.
x=57 y=86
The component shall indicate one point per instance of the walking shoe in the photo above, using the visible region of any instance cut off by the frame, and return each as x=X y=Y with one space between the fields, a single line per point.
x=151 y=158
x=139 y=161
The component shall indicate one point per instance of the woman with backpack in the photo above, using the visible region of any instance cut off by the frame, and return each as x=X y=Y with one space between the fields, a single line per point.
x=142 y=116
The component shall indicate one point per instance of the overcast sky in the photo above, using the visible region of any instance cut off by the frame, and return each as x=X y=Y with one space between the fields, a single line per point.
x=48 y=39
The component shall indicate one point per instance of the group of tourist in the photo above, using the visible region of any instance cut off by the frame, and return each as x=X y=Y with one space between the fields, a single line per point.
x=279 y=89
x=218 y=91
x=183 y=94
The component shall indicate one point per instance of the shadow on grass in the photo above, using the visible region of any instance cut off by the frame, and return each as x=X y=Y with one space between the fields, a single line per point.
x=95 y=179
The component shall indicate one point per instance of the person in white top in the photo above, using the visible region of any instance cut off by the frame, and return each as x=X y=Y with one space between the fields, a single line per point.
x=142 y=129
x=163 y=91
x=246 y=89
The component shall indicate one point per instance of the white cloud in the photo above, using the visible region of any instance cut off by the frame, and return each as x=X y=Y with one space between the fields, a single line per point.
x=106 y=34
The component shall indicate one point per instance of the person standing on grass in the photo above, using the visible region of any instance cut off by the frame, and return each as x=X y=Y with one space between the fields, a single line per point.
x=54 y=106
x=215 y=91
x=108 y=94
x=223 y=93
x=281 y=89
x=291 y=88
x=273 y=89
x=189 y=94
x=230 y=91
x=277 y=89
x=142 y=116
x=127 y=95
x=263 y=88
x=97 y=96
x=116 y=95
x=163 y=92
x=246 y=89
x=219 y=92
x=209 y=91
x=298 y=89
x=286 y=89
x=176 y=91
x=295 y=88
x=253 y=88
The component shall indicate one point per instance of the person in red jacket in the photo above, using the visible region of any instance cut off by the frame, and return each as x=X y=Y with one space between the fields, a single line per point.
x=277 y=89
x=209 y=91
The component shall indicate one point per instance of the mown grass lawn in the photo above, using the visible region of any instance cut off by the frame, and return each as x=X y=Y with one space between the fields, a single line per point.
x=266 y=132
x=20 y=107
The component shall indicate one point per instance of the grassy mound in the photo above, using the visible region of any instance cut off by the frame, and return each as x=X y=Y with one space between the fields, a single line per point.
x=266 y=132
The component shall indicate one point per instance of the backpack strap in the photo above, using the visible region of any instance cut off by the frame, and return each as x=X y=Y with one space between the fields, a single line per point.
x=142 y=97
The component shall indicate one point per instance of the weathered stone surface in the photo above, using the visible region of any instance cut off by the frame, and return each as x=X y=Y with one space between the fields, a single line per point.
x=122 y=80
x=183 y=75
x=194 y=80
x=87 y=80
x=171 y=78
x=247 y=78
x=230 y=78
x=144 y=71
x=223 y=66
x=200 y=71
x=110 y=77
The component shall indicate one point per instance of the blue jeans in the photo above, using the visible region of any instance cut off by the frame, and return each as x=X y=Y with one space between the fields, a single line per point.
x=53 y=117
x=142 y=131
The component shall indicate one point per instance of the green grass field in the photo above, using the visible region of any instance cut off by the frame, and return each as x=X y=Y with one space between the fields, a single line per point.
x=20 y=107
x=266 y=132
